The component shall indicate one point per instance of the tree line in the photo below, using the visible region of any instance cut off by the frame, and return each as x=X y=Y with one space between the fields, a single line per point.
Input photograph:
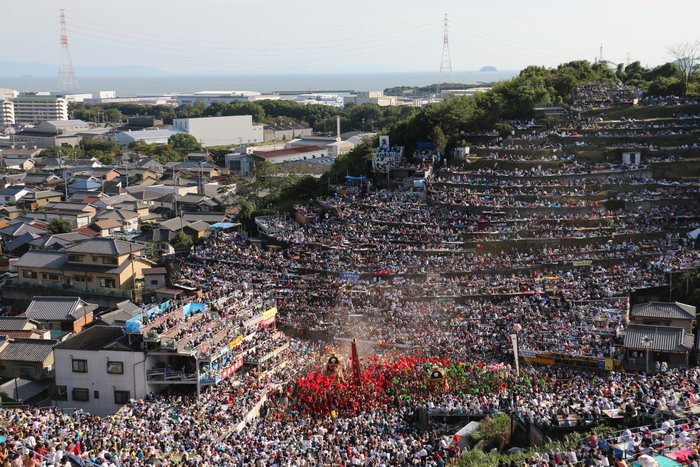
x=322 y=118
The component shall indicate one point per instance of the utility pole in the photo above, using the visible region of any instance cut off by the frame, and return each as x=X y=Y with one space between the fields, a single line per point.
x=174 y=192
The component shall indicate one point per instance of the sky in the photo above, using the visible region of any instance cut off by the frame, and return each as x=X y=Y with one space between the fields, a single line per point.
x=322 y=36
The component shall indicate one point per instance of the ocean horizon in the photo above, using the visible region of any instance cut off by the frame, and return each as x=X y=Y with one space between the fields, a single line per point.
x=129 y=86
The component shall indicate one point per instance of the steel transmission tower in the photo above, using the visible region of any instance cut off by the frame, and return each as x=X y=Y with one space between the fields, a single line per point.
x=66 y=73
x=445 y=61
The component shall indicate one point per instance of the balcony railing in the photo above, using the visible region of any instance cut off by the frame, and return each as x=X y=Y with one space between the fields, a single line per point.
x=170 y=375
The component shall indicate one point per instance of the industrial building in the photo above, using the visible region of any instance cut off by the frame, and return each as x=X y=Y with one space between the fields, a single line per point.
x=51 y=133
x=371 y=97
x=286 y=132
x=219 y=131
x=207 y=97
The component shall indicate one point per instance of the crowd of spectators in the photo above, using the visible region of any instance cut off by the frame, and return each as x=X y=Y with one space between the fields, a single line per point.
x=423 y=279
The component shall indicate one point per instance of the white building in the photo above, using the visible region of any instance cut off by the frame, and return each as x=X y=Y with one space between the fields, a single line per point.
x=33 y=109
x=6 y=93
x=125 y=138
x=207 y=97
x=150 y=100
x=333 y=100
x=371 y=97
x=7 y=112
x=217 y=131
x=98 y=371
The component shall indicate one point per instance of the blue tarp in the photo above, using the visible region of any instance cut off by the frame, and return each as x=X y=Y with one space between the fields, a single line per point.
x=223 y=225
x=191 y=308
x=350 y=177
x=134 y=324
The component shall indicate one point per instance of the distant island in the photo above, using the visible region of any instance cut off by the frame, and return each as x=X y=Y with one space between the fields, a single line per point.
x=488 y=68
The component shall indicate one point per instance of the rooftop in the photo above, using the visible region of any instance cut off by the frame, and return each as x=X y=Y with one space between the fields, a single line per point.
x=28 y=350
x=668 y=310
x=104 y=246
x=96 y=338
x=299 y=150
x=58 y=308
x=663 y=338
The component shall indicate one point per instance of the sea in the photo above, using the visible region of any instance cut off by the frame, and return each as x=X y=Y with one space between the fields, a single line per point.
x=130 y=86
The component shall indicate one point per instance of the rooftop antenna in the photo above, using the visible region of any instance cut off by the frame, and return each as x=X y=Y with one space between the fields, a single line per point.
x=66 y=73
x=445 y=61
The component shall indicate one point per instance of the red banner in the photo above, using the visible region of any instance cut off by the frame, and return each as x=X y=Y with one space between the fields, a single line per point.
x=229 y=371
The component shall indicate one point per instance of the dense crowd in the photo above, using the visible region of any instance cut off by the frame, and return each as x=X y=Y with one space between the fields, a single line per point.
x=430 y=282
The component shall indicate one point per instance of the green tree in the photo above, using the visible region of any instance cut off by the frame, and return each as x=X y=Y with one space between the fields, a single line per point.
x=147 y=227
x=439 y=140
x=184 y=143
x=181 y=241
x=65 y=151
x=59 y=226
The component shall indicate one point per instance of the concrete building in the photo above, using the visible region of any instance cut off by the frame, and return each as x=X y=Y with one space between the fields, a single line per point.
x=370 y=97
x=102 y=368
x=240 y=164
x=217 y=131
x=37 y=109
x=7 y=112
x=286 y=132
x=99 y=371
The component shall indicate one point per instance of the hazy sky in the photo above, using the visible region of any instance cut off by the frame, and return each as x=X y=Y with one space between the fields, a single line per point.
x=313 y=36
